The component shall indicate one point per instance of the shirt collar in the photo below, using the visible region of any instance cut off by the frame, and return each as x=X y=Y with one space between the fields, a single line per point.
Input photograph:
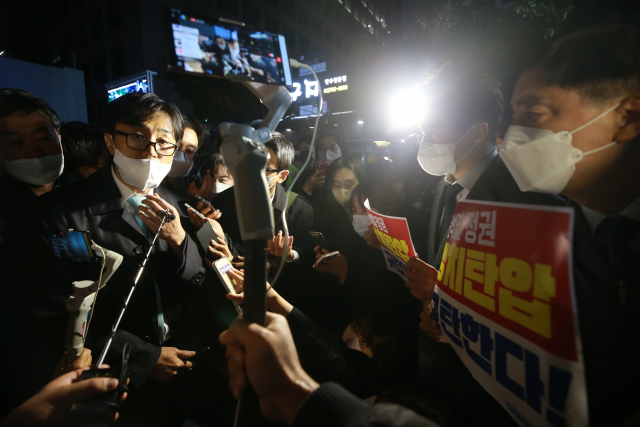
x=594 y=218
x=470 y=178
x=125 y=191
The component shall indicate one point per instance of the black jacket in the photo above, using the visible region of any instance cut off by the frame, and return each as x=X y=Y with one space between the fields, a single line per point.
x=95 y=205
x=440 y=366
x=299 y=219
x=32 y=298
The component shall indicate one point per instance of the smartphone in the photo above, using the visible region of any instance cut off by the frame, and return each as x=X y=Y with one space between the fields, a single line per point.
x=206 y=202
x=321 y=165
x=319 y=240
x=206 y=235
x=223 y=49
x=72 y=245
x=325 y=256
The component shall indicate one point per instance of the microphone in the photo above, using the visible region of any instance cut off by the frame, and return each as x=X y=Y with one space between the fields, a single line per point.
x=166 y=214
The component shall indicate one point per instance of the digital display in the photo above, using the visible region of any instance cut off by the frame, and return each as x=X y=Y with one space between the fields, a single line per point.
x=228 y=50
x=69 y=245
x=139 y=85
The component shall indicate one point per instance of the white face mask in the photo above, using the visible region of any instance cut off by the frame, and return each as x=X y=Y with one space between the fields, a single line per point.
x=439 y=159
x=331 y=156
x=38 y=171
x=141 y=173
x=179 y=166
x=343 y=197
x=541 y=160
x=220 y=187
x=273 y=179
x=361 y=223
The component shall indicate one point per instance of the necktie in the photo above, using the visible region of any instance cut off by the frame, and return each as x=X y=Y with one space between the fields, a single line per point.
x=619 y=239
x=449 y=208
x=135 y=200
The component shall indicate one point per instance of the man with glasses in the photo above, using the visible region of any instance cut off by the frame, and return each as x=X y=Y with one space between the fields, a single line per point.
x=299 y=210
x=119 y=206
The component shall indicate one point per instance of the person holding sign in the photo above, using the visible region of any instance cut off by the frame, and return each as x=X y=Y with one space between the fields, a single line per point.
x=576 y=132
x=459 y=144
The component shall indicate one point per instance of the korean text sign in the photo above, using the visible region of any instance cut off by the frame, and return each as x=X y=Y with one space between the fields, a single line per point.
x=393 y=233
x=505 y=302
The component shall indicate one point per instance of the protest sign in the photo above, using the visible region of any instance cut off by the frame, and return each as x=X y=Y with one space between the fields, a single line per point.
x=505 y=301
x=393 y=233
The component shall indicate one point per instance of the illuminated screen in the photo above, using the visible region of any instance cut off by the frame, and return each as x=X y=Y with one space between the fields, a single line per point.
x=139 y=85
x=69 y=245
x=226 y=50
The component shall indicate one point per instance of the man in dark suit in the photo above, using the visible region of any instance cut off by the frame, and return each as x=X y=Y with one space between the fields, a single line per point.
x=586 y=90
x=32 y=298
x=299 y=212
x=118 y=205
x=459 y=144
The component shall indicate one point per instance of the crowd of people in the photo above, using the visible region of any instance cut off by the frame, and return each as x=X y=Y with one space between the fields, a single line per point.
x=346 y=342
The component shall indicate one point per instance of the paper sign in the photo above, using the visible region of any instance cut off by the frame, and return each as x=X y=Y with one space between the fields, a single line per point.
x=393 y=233
x=505 y=302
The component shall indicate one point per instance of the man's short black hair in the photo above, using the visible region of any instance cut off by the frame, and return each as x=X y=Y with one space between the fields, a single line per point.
x=467 y=95
x=15 y=100
x=283 y=149
x=138 y=108
x=82 y=144
x=601 y=62
x=201 y=130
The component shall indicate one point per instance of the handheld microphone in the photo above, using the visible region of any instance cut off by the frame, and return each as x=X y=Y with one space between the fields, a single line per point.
x=166 y=214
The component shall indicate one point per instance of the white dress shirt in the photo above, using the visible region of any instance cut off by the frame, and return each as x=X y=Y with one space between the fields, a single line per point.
x=470 y=178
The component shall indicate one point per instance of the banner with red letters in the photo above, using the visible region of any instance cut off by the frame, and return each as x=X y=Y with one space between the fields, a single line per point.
x=505 y=301
x=393 y=233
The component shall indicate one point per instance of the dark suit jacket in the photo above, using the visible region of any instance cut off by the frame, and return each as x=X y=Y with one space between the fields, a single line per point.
x=299 y=218
x=32 y=298
x=609 y=320
x=440 y=366
x=95 y=205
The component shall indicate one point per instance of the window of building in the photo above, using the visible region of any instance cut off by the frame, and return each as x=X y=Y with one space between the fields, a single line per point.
x=229 y=6
x=117 y=62
x=289 y=7
x=250 y=14
x=364 y=3
x=96 y=26
x=316 y=26
x=340 y=1
x=328 y=36
x=114 y=19
x=100 y=70
x=303 y=44
x=303 y=16
x=271 y=24
x=328 y=10
x=356 y=13
x=347 y=5
x=81 y=35
x=290 y=36
x=383 y=21
x=378 y=15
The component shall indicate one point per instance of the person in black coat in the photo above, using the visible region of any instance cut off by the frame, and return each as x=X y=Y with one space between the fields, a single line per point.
x=299 y=213
x=32 y=296
x=110 y=204
x=590 y=79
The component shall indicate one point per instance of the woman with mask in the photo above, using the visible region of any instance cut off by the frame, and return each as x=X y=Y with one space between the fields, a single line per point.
x=328 y=148
x=332 y=202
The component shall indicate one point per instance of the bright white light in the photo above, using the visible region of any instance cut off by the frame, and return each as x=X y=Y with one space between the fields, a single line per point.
x=336 y=124
x=2 y=53
x=296 y=93
x=288 y=130
x=310 y=127
x=407 y=108
x=360 y=122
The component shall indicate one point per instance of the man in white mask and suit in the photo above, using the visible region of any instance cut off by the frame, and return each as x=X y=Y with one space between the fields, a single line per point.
x=118 y=205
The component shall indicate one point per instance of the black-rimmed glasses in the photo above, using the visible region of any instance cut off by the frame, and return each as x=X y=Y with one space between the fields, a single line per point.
x=140 y=142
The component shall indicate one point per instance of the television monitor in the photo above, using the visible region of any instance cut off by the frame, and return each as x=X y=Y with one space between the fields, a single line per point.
x=227 y=50
x=138 y=83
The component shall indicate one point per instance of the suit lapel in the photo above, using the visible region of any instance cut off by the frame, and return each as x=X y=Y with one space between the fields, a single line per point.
x=494 y=176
